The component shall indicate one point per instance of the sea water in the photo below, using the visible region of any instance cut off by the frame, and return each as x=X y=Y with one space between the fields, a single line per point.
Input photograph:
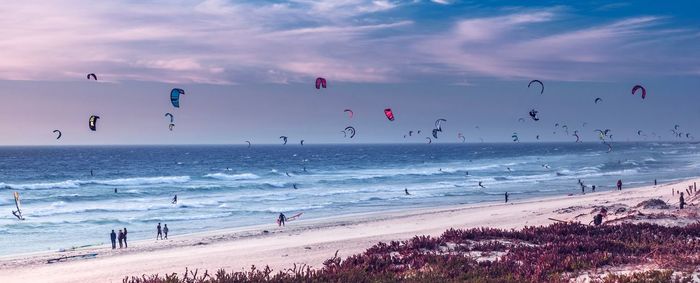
x=234 y=186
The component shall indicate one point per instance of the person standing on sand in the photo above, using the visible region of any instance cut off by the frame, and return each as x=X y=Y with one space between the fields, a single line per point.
x=125 y=244
x=506 y=197
x=160 y=232
x=113 y=237
x=165 y=231
x=619 y=185
x=121 y=239
x=593 y=188
x=655 y=182
x=281 y=219
x=682 y=201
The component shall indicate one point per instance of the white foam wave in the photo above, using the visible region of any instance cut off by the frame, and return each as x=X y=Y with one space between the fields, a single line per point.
x=232 y=177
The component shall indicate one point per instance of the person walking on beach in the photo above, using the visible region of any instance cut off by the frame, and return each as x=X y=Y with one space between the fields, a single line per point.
x=121 y=239
x=506 y=197
x=113 y=237
x=281 y=219
x=159 y=232
x=165 y=231
x=125 y=244
x=655 y=182
x=619 y=185
x=682 y=201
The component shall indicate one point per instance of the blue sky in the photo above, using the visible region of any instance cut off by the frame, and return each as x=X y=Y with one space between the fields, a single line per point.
x=248 y=68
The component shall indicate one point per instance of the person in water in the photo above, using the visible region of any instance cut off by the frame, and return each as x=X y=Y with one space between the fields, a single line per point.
x=125 y=244
x=593 y=188
x=159 y=232
x=281 y=219
x=91 y=173
x=113 y=237
x=682 y=201
x=480 y=185
x=506 y=197
x=406 y=191
x=619 y=185
x=174 y=199
x=165 y=231
x=121 y=239
x=115 y=190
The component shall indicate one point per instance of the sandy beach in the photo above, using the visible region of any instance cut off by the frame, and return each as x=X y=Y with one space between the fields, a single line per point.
x=310 y=242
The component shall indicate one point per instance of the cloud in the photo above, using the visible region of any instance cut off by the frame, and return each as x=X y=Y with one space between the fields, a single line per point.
x=522 y=45
x=228 y=42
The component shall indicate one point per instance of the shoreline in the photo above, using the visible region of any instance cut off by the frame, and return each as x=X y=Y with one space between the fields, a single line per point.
x=312 y=241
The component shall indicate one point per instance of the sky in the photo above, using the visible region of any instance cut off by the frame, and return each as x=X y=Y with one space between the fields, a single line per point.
x=248 y=69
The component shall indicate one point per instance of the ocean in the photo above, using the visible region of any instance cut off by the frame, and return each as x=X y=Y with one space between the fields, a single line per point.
x=235 y=186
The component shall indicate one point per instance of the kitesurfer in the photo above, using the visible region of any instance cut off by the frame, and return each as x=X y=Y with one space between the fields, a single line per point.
x=115 y=190
x=480 y=185
x=159 y=232
x=113 y=237
x=281 y=219
x=174 y=199
x=406 y=191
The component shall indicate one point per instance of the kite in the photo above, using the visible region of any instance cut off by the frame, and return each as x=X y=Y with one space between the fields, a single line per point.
x=389 y=114
x=94 y=77
x=92 y=123
x=171 y=117
x=537 y=81
x=284 y=138
x=57 y=132
x=349 y=130
x=320 y=83
x=350 y=113
x=175 y=96
x=637 y=87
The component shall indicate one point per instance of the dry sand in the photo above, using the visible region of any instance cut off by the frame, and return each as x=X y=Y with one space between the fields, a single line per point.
x=312 y=242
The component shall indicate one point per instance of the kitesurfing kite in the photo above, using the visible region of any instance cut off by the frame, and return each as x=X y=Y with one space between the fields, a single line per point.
x=170 y=126
x=350 y=130
x=350 y=113
x=578 y=139
x=515 y=137
x=92 y=75
x=435 y=131
x=175 y=96
x=598 y=99
x=410 y=133
x=389 y=114
x=320 y=83
x=57 y=132
x=248 y=143
x=302 y=142
x=533 y=115
x=537 y=81
x=461 y=137
x=92 y=123
x=284 y=138
x=429 y=140
x=438 y=124
x=171 y=117
x=637 y=87
x=18 y=212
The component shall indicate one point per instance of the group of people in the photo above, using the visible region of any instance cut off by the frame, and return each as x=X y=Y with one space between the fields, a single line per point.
x=121 y=237
x=160 y=231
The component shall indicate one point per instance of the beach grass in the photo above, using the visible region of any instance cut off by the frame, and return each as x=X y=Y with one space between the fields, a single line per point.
x=558 y=252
